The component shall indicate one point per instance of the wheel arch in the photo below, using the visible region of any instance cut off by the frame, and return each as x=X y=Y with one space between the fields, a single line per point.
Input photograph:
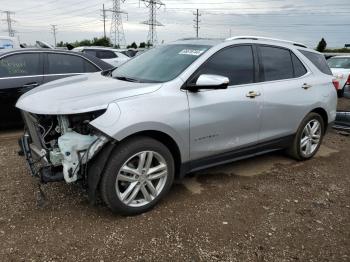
x=165 y=139
x=97 y=166
x=323 y=113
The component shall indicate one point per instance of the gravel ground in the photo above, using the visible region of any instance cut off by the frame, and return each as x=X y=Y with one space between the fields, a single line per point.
x=268 y=208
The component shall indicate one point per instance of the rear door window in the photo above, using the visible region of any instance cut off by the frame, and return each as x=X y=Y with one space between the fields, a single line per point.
x=318 y=60
x=21 y=65
x=89 y=67
x=276 y=63
x=65 y=64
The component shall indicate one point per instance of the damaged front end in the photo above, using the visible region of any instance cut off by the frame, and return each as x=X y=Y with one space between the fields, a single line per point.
x=59 y=148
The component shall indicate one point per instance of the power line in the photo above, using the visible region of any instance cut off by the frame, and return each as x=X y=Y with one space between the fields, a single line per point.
x=152 y=22
x=196 y=21
x=117 y=30
x=54 y=31
x=104 y=20
x=9 y=22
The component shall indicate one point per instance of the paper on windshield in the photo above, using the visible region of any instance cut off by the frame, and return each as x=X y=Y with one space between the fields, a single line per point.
x=194 y=52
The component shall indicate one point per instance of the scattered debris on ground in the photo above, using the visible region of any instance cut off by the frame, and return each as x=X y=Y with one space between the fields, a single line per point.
x=268 y=208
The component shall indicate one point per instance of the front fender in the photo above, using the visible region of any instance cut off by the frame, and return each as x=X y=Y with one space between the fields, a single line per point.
x=123 y=120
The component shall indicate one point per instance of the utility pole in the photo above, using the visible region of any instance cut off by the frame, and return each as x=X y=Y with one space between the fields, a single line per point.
x=54 y=31
x=9 y=21
x=152 y=22
x=196 y=20
x=104 y=20
x=117 y=30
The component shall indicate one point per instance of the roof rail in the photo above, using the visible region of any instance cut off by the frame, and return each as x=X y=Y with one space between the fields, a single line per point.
x=265 y=38
x=197 y=38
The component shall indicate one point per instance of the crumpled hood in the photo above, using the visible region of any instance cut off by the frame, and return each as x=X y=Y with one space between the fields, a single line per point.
x=80 y=94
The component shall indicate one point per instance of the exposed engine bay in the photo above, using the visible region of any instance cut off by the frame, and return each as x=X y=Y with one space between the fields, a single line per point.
x=64 y=144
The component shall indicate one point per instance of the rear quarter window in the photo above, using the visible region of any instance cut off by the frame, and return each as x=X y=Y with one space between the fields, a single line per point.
x=299 y=68
x=318 y=60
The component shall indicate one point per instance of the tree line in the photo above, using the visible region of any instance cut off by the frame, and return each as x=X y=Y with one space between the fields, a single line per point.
x=100 y=41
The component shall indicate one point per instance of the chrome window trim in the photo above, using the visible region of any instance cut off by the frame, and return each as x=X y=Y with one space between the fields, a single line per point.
x=45 y=75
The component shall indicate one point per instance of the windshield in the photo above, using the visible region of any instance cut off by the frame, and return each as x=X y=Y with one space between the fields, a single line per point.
x=341 y=62
x=160 y=64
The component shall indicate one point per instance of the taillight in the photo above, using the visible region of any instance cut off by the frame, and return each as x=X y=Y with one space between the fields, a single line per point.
x=348 y=81
x=336 y=84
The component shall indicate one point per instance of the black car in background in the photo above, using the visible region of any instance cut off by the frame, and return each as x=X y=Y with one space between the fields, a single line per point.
x=24 y=69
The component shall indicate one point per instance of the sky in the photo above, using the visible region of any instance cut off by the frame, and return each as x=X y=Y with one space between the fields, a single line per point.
x=305 y=21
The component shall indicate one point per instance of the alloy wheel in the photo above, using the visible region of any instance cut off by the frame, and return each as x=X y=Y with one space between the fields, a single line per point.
x=310 y=138
x=141 y=178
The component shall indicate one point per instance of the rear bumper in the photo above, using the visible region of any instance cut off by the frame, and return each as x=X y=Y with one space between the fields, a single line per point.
x=342 y=121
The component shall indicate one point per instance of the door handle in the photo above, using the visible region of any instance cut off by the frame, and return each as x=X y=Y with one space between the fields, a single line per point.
x=306 y=86
x=253 y=94
x=31 y=85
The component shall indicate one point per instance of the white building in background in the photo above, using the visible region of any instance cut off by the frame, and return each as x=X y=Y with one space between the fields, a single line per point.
x=9 y=42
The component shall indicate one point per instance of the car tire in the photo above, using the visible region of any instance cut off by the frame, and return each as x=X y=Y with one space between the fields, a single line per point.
x=139 y=173
x=341 y=92
x=308 y=138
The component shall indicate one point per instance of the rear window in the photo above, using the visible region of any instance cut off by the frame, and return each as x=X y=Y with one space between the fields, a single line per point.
x=339 y=62
x=105 y=54
x=318 y=60
x=90 y=52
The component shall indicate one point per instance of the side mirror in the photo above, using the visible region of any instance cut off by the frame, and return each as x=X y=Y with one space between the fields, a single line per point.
x=209 y=82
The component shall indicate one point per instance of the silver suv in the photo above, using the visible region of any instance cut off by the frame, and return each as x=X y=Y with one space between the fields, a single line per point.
x=126 y=134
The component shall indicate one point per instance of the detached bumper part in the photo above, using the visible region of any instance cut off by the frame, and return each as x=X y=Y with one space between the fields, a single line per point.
x=76 y=150
x=25 y=148
x=37 y=164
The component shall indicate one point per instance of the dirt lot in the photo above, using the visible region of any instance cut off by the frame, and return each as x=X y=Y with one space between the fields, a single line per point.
x=269 y=208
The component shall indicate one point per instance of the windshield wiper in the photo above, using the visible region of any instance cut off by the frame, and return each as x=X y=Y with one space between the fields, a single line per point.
x=123 y=78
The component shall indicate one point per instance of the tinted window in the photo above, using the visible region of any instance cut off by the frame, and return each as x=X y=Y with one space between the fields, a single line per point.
x=62 y=63
x=161 y=64
x=106 y=54
x=236 y=63
x=299 y=68
x=89 y=67
x=339 y=62
x=276 y=63
x=91 y=52
x=318 y=60
x=20 y=65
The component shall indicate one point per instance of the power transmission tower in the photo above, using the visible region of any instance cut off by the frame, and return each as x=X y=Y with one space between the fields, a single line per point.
x=54 y=31
x=117 y=30
x=104 y=20
x=196 y=20
x=9 y=21
x=152 y=22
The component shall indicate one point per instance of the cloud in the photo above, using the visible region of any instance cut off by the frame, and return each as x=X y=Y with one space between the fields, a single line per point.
x=76 y=19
